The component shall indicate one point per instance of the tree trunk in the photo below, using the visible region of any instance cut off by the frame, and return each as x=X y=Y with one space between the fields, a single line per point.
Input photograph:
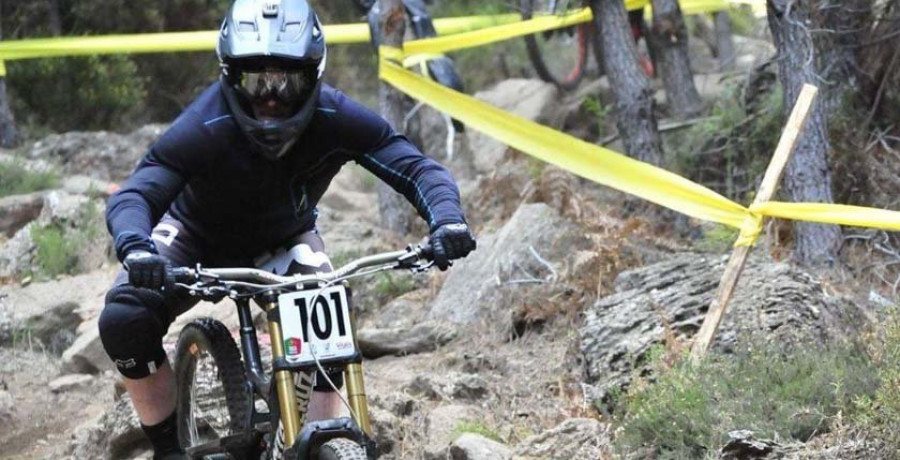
x=53 y=18
x=724 y=41
x=634 y=109
x=9 y=133
x=807 y=178
x=669 y=39
x=396 y=213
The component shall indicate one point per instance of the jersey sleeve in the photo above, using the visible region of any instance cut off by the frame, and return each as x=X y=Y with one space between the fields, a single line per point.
x=160 y=176
x=389 y=155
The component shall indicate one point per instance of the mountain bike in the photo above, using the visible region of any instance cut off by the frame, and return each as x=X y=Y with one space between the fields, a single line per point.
x=234 y=408
x=560 y=56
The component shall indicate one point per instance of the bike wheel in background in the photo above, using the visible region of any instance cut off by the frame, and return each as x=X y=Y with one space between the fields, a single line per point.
x=212 y=398
x=342 y=449
x=558 y=56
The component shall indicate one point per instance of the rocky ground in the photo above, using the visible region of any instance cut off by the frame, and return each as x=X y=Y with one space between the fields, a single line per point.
x=506 y=356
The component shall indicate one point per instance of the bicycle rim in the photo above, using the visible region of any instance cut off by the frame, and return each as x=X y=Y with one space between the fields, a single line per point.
x=558 y=56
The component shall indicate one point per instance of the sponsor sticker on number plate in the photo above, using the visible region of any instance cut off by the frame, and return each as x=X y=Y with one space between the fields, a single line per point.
x=316 y=324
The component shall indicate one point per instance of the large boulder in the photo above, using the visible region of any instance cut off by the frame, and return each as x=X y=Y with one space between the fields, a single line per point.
x=531 y=250
x=531 y=99
x=87 y=355
x=423 y=337
x=102 y=155
x=668 y=300
x=17 y=253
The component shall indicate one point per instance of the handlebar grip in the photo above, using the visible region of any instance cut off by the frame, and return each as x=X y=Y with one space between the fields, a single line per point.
x=180 y=275
x=426 y=252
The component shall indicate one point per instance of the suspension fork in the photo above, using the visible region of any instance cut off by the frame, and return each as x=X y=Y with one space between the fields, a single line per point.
x=291 y=419
x=353 y=379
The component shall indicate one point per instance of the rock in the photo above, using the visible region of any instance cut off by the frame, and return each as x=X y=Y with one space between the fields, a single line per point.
x=482 y=285
x=115 y=435
x=62 y=207
x=18 y=210
x=423 y=386
x=469 y=387
x=442 y=425
x=55 y=327
x=70 y=382
x=384 y=424
x=86 y=355
x=101 y=155
x=530 y=99
x=84 y=185
x=471 y=446
x=574 y=438
x=743 y=446
x=374 y=343
x=671 y=298
x=17 y=254
x=7 y=405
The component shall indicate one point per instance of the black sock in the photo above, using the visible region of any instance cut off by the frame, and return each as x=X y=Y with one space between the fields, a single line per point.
x=164 y=436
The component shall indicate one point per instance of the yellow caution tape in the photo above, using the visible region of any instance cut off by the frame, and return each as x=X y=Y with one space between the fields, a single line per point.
x=690 y=7
x=621 y=172
x=839 y=214
x=488 y=35
x=587 y=160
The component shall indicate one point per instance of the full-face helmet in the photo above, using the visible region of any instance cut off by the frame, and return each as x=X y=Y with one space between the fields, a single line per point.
x=272 y=54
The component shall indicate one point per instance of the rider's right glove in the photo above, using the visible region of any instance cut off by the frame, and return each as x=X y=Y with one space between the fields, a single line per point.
x=451 y=241
x=146 y=270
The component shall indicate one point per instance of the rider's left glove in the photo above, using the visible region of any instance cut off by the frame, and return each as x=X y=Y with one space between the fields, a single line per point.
x=146 y=270
x=450 y=242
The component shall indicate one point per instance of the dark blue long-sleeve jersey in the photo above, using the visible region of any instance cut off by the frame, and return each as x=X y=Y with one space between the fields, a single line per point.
x=203 y=172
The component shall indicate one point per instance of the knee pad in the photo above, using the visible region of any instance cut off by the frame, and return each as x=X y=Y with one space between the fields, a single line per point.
x=132 y=325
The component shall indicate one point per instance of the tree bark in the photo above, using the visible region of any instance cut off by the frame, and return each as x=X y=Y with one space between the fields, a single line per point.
x=808 y=178
x=396 y=213
x=724 y=41
x=634 y=109
x=9 y=132
x=669 y=38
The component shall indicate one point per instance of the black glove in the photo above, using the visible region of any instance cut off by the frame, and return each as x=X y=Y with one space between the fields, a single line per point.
x=450 y=242
x=146 y=270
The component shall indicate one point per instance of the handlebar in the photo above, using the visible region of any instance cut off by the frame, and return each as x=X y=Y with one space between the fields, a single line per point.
x=409 y=258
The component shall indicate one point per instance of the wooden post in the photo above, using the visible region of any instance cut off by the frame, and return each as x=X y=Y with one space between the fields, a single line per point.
x=767 y=189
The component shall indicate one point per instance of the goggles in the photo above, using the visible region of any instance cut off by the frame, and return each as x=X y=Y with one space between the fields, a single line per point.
x=288 y=87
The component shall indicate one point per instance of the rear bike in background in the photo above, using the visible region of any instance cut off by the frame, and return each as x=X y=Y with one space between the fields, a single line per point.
x=560 y=56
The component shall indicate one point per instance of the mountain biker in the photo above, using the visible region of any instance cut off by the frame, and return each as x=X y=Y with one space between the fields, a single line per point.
x=239 y=174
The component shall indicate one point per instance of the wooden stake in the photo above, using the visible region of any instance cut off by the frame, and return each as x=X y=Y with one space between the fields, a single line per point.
x=767 y=189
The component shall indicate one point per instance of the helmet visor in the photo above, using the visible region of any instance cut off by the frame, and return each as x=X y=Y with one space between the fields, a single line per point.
x=288 y=87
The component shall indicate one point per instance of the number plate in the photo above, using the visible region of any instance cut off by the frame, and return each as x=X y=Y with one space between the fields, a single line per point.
x=316 y=322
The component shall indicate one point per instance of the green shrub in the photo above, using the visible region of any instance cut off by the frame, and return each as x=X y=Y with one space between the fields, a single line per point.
x=16 y=179
x=478 y=428
x=59 y=246
x=80 y=93
x=729 y=152
x=689 y=410
x=879 y=413
x=56 y=253
x=389 y=286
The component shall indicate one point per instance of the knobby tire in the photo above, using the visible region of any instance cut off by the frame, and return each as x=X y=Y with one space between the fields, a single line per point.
x=201 y=336
x=573 y=77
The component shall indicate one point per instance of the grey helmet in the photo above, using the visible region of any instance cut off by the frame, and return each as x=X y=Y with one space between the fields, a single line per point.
x=256 y=37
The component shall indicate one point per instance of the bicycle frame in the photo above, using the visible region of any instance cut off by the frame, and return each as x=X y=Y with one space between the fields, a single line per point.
x=300 y=440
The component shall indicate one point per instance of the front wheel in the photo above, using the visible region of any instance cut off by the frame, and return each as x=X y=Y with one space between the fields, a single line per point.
x=212 y=399
x=342 y=449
